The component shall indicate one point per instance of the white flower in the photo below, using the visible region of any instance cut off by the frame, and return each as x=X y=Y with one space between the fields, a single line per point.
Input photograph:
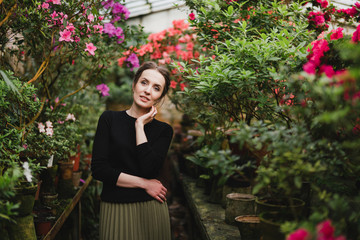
x=41 y=127
x=49 y=131
x=49 y=124
x=70 y=116
x=27 y=172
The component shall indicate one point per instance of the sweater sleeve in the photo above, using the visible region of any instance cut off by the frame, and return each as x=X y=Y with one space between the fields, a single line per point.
x=151 y=155
x=100 y=166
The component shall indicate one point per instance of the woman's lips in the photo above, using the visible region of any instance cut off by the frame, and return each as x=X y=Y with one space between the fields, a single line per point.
x=144 y=99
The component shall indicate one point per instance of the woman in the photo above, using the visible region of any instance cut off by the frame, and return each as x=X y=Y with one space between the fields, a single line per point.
x=129 y=150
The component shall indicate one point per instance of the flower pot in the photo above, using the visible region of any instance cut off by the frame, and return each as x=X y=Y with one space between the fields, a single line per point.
x=76 y=178
x=270 y=225
x=76 y=161
x=26 y=196
x=294 y=206
x=87 y=160
x=43 y=227
x=238 y=204
x=249 y=227
x=216 y=191
x=48 y=199
x=234 y=185
x=66 y=170
x=24 y=228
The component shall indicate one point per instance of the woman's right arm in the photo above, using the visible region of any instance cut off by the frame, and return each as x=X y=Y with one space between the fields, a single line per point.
x=152 y=186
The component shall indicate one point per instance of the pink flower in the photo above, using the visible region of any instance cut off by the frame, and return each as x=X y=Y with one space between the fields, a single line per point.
x=70 y=27
x=104 y=89
x=45 y=5
x=60 y=122
x=41 y=127
x=25 y=146
x=336 y=34
x=57 y=2
x=356 y=35
x=192 y=16
x=173 y=84
x=57 y=100
x=90 y=48
x=65 y=36
x=309 y=67
x=70 y=116
x=300 y=234
x=90 y=17
x=49 y=124
x=98 y=28
x=53 y=15
x=325 y=230
x=101 y=18
x=327 y=69
x=49 y=131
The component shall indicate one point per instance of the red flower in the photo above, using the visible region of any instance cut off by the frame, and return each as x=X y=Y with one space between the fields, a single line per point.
x=192 y=16
x=182 y=86
x=323 y=3
x=173 y=84
x=327 y=69
x=325 y=230
x=300 y=234
x=309 y=67
x=356 y=34
x=336 y=34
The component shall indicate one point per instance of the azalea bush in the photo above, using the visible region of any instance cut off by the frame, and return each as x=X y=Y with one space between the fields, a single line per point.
x=168 y=47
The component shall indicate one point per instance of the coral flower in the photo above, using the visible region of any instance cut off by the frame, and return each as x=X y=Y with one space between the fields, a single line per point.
x=192 y=16
x=173 y=84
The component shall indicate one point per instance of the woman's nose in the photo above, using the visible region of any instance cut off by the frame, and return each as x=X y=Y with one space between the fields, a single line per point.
x=147 y=90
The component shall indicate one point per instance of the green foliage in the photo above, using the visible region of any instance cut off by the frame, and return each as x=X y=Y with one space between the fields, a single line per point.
x=249 y=46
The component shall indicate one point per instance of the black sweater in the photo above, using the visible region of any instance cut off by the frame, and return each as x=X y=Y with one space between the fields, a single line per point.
x=115 y=151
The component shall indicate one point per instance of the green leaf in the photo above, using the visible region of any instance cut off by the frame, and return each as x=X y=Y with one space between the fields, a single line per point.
x=9 y=82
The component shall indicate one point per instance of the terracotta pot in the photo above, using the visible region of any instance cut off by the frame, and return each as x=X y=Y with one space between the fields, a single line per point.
x=249 y=227
x=43 y=227
x=76 y=161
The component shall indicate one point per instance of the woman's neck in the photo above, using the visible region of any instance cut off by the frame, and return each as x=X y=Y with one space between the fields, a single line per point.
x=135 y=111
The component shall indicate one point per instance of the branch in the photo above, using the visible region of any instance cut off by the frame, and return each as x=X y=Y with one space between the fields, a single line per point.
x=8 y=14
x=44 y=64
x=79 y=89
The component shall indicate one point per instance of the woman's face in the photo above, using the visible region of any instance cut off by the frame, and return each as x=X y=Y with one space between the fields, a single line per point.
x=148 y=89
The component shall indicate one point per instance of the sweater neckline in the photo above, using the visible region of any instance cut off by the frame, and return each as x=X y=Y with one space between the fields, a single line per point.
x=128 y=116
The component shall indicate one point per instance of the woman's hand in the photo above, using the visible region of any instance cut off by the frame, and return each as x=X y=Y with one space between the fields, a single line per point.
x=148 y=117
x=155 y=189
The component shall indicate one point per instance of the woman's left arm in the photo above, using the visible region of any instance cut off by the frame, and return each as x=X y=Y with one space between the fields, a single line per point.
x=151 y=157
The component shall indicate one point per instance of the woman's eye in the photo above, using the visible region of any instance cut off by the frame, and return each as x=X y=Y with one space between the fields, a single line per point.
x=143 y=82
x=157 y=89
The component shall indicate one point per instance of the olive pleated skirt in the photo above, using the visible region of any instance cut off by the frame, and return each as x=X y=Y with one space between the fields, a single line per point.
x=134 y=221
